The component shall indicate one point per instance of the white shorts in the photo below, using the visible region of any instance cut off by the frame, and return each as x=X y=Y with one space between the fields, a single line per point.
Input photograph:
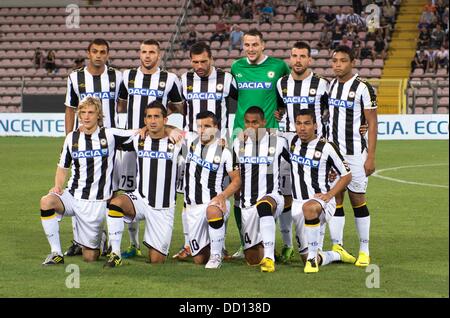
x=117 y=170
x=198 y=226
x=158 y=223
x=250 y=221
x=359 y=179
x=128 y=171
x=89 y=217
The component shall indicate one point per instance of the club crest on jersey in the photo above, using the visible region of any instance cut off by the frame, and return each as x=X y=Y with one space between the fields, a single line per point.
x=219 y=87
x=351 y=94
x=271 y=74
x=151 y=154
x=162 y=84
x=304 y=161
x=312 y=91
x=317 y=155
x=256 y=160
x=90 y=153
x=112 y=85
x=216 y=159
x=271 y=150
x=205 y=164
x=170 y=146
x=103 y=142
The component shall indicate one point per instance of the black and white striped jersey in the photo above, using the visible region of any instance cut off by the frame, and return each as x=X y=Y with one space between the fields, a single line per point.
x=259 y=164
x=208 y=93
x=310 y=165
x=156 y=170
x=347 y=102
x=141 y=89
x=205 y=169
x=81 y=83
x=92 y=161
x=311 y=93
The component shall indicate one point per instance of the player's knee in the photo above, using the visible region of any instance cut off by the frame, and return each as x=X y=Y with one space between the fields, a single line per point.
x=361 y=211
x=311 y=210
x=47 y=203
x=264 y=208
x=213 y=212
x=287 y=202
x=115 y=211
x=216 y=223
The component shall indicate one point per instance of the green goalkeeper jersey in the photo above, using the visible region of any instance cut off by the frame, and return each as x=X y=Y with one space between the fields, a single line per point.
x=257 y=86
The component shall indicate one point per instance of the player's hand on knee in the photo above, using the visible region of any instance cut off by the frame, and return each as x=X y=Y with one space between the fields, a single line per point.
x=219 y=201
x=56 y=190
x=323 y=196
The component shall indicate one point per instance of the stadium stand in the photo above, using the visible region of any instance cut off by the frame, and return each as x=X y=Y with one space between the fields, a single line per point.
x=125 y=23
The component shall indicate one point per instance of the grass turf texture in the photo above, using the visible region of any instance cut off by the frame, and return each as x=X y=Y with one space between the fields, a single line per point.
x=409 y=239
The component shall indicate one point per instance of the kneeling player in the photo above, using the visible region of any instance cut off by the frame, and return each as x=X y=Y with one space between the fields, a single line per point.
x=154 y=197
x=314 y=202
x=207 y=207
x=259 y=153
x=91 y=155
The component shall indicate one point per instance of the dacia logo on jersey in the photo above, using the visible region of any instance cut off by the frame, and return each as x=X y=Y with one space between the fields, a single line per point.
x=155 y=154
x=255 y=85
x=99 y=95
x=145 y=92
x=298 y=100
x=304 y=161
x=90 y=153
x=204 y=96
x=205 y=164
x=340 y=103
x=256 y=160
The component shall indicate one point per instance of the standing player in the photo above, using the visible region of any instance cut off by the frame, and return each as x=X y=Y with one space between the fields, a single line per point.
x=301 y=89
x=205 y=88
x=154 y=197
x=139 y=88
x=91 y=154
x=207 y=207
x=259 y=153
x=352 y=101
x=312 y=158
x=256 y=75
x=97 y=80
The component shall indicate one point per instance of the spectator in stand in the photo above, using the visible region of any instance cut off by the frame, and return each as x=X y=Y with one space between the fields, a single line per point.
x=345 y=41
x=266 y=15
x=379 y=48
x=325 y=39
x=355 y=20
x=396 y=4
x=437 y=37
x=427 y=19
x=191 y=38
x=207 y=7
x=312 y=15
x=423 y=41
x=365 y=51
x=247 y=11
x=38 y=58
x=440 y=9
x=227 y=8
x=389 y=12
x=351 y=32
x=236 y=38
x=341 y=16
x=442 y=59
x=420 y=60
x=337 y=36
x=300 y=12
x=328 y=19
x=50 y=62
x=221 y=33
x=429 y=7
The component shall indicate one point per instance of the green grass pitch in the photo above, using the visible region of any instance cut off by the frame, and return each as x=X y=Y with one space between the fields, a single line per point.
x=409 y=238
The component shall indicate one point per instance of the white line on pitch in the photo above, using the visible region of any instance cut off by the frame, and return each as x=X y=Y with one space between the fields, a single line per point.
x=376 y=174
